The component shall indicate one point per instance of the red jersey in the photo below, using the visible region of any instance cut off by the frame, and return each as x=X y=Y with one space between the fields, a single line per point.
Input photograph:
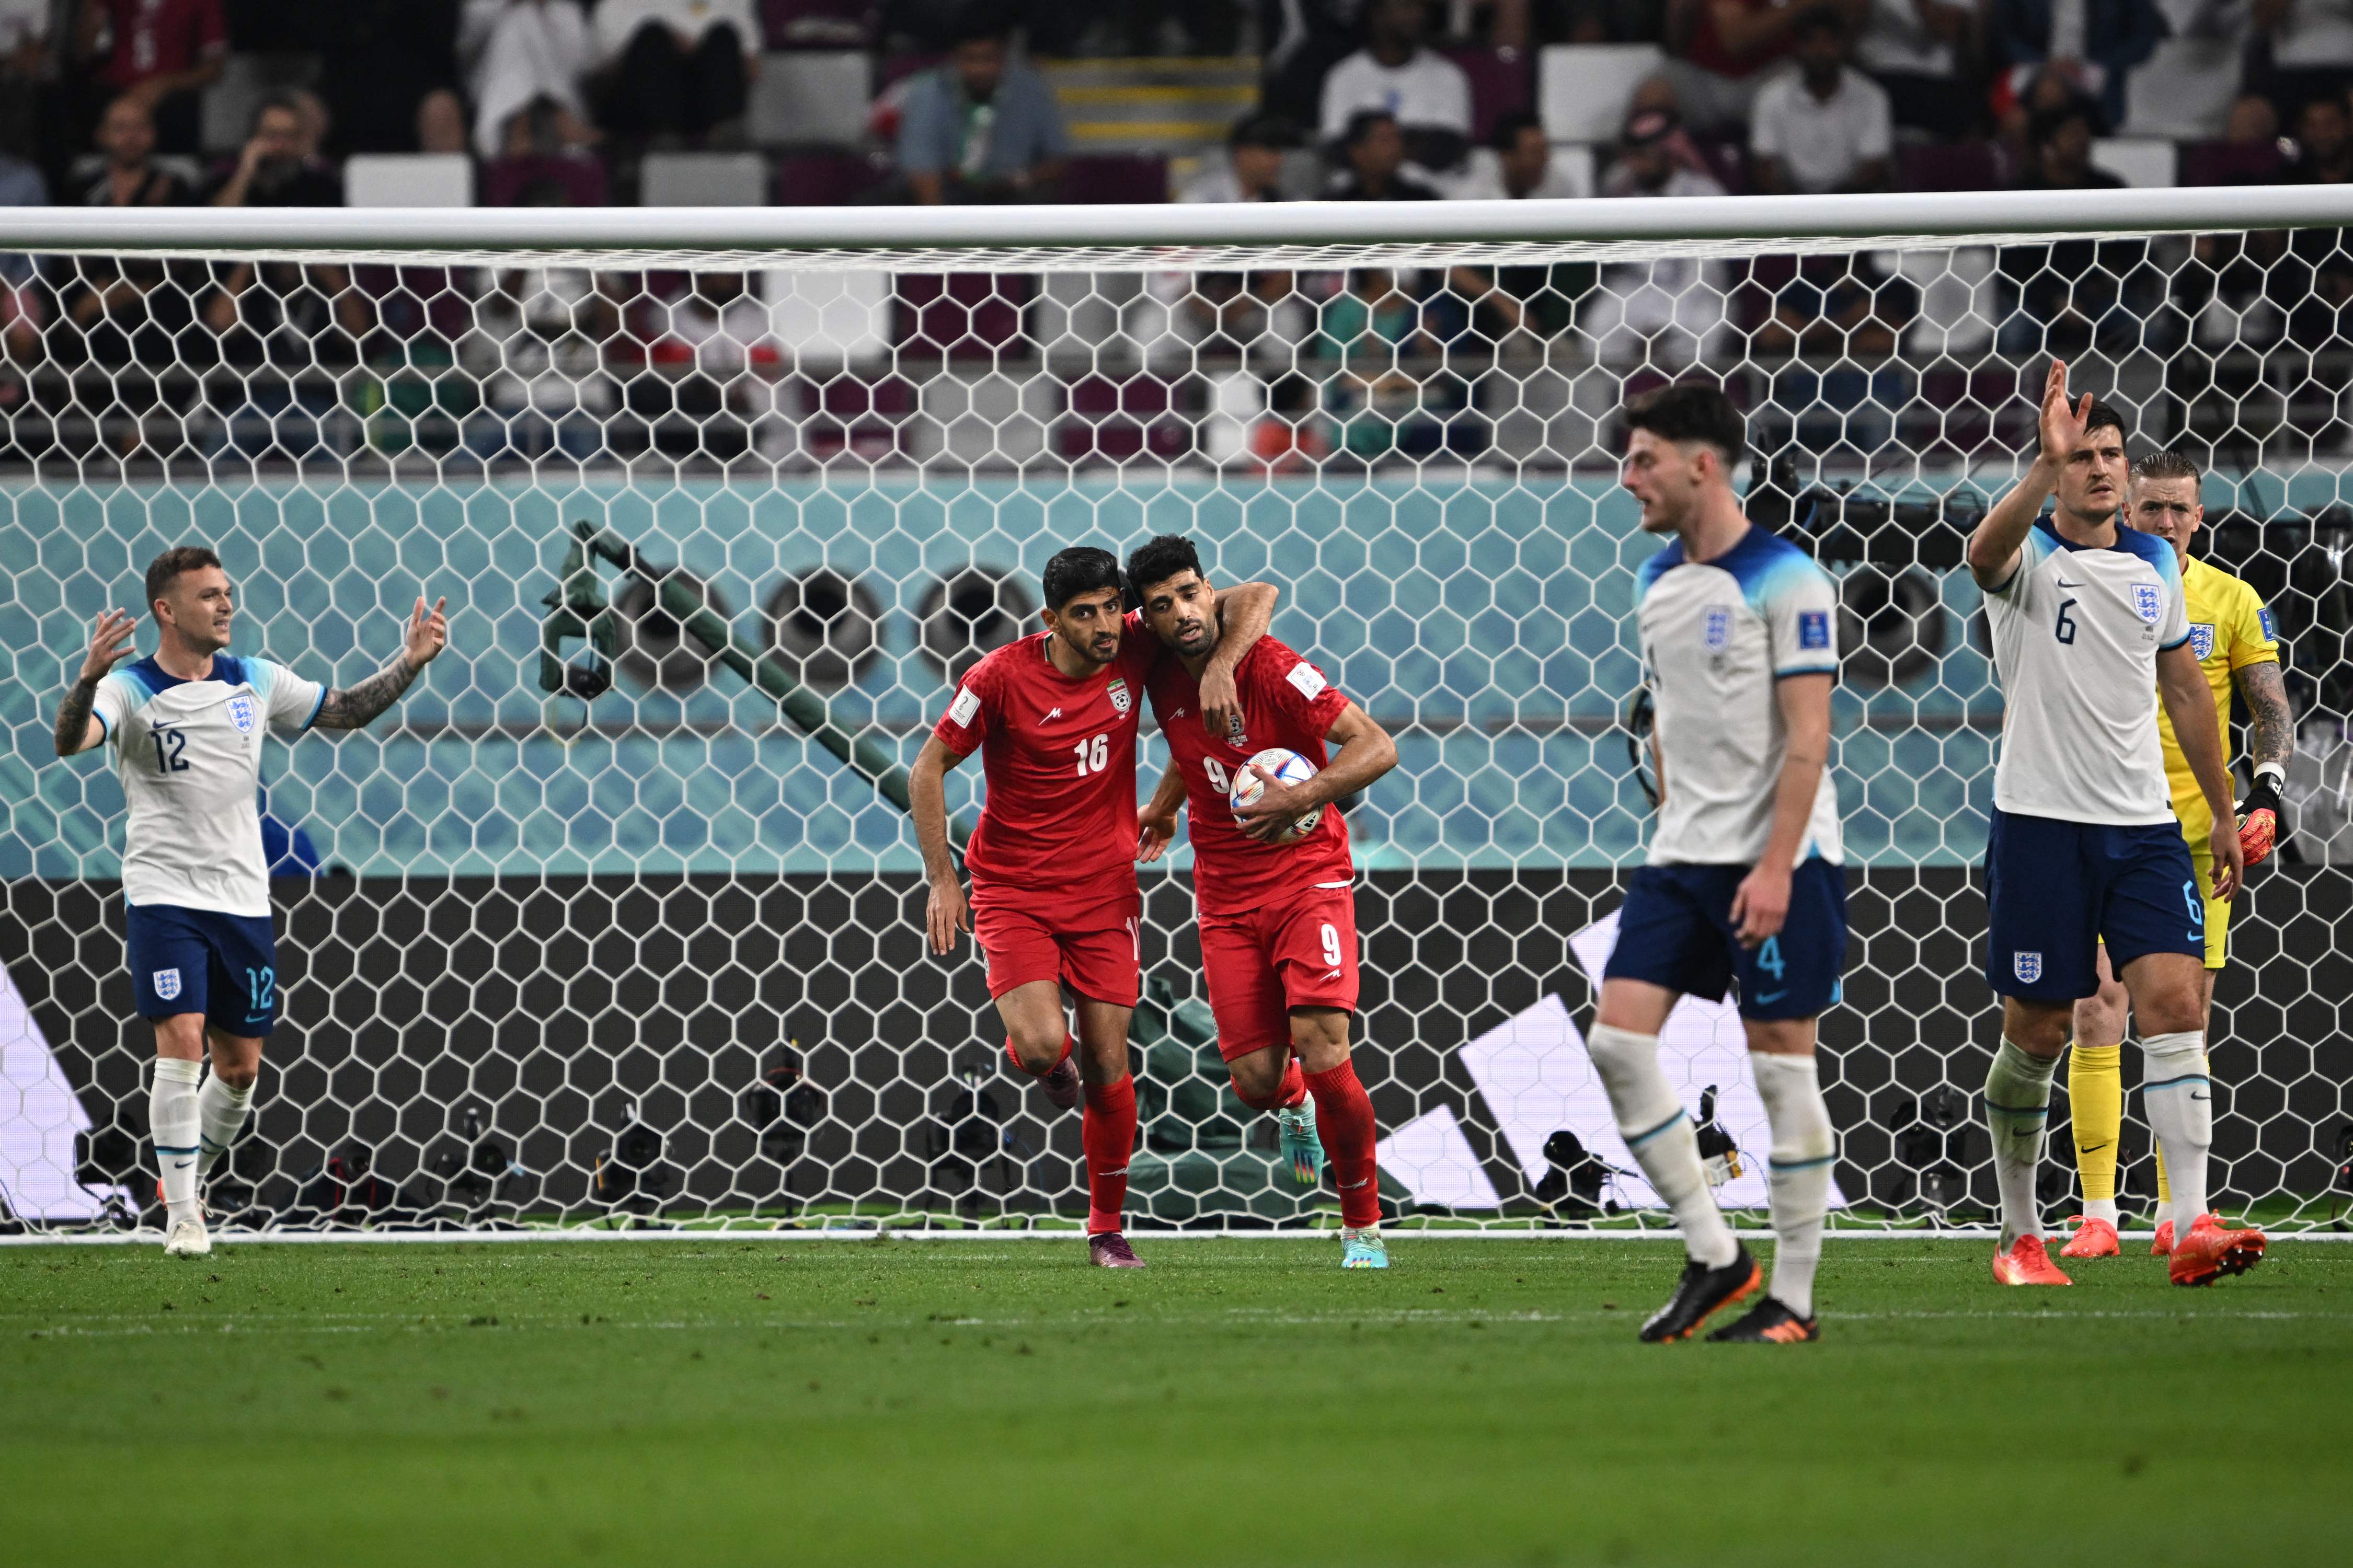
x=1285 y=702
x=160 y=37
x=1707 y=51
x=1059 y=758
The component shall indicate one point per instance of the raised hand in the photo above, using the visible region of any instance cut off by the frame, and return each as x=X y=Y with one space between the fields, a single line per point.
x=2062 y=427
x=428 y=633
x=110 y=644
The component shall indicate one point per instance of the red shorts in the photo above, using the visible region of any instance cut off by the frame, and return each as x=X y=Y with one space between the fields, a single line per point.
x=1091 y=949
x=1262 y=962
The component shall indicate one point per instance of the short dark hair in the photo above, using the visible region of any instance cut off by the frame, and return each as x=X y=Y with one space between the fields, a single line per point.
x=981 y=21
x=1263 y=131
x=165 y=568
x=1360 y=125
x=2170 y=464
x=1159 y=559
x=1510 y=125
x=1691 y=411
x=1820 y=19
x=1082 y=569
x=2105 y=417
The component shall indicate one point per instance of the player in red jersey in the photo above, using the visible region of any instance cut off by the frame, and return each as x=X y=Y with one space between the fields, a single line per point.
x=1054 y=902
x=1278 y=920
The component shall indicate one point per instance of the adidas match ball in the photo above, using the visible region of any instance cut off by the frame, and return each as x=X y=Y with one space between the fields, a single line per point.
x=1290 y=768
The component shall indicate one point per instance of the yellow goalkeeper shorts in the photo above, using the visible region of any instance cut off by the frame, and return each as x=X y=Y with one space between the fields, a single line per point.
x=2218 y=910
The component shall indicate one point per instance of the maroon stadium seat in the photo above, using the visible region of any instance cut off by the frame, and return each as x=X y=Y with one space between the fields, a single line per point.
x=1959 y=166
x=1500 y=81
x=1097 y=178
x=826 y=179
x=507 y=181
x=2231 y=162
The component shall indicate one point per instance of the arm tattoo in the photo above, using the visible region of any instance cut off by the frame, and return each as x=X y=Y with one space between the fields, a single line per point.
x=73 y=716
x=349 y=707
x=2271 y=727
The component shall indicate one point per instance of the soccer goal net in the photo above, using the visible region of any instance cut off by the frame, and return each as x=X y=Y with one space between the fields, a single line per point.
x=616 y=918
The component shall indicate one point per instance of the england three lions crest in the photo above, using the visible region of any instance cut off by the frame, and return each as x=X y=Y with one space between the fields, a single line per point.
x=2201 y=639
x=2027 y=966
x=167 y=984
x=2147 y=603
x=242 y=712
x=1120 y=700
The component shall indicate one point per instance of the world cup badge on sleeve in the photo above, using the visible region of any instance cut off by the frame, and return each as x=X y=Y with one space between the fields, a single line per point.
x=2027 y=966
x=241 y=713
x=167 y=984
x=1120 y=699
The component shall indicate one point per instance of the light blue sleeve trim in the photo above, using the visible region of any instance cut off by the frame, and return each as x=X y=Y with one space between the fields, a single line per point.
x=105 y=729
x=1805 y=669
x=322 y=702
x=2169 y=647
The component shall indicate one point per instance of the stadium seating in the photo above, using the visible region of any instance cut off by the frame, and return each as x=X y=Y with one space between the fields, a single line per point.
x=225 y=118
x=2138 y=161
x=704 y=180
x=805 y=97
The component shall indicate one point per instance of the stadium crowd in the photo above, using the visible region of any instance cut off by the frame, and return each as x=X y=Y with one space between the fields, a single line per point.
x=581 y=102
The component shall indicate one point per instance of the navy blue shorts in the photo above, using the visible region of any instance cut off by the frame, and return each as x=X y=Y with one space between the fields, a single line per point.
x=1676 y=930
x=201 y=961
x=2055 y=889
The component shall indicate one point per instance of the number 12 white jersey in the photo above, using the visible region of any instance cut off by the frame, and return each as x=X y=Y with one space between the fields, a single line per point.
x=189 y=755
x=2077 y=632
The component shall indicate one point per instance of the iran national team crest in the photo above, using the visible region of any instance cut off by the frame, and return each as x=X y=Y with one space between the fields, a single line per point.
x=1120 y=700
x=167 y=984
x=241 y=713
x=1718 y=633
x=2027 y=966
x=2202 y=638
x=2146 y=601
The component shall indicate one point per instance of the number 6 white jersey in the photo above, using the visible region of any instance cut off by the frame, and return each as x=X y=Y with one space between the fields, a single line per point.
x=2076 y=631
x=189 y=753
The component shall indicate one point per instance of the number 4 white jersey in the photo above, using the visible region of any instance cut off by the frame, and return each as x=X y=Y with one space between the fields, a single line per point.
x=2076 y=631
x=1718 y=638
x=189 y=753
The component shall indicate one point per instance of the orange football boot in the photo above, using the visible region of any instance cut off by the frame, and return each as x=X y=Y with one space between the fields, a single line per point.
x=2093 y=1238
x=2027 y=1263
x=2163 y=1245
x=2214 y=1249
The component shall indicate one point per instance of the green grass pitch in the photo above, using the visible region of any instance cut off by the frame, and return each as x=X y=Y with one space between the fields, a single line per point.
x=1240 y=1401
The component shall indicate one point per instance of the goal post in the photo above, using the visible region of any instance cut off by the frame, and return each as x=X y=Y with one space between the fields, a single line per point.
x=615 y=918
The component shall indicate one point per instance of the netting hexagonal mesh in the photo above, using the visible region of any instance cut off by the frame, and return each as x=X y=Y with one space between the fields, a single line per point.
x=616 y=918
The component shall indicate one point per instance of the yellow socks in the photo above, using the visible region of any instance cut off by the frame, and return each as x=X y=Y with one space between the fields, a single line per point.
x=2096 y=1108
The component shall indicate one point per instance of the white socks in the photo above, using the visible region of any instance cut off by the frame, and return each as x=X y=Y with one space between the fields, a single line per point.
x=1660 y=1136
x=2179 y=1099
x=2018 y=1111
x=2100 y=1208
x=1800 y=1174
x=172 y=1123
x=220 y=1112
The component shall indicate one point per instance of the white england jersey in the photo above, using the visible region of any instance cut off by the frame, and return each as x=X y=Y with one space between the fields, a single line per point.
x=1718 y=637
x=2076 y=630
x=189 y=753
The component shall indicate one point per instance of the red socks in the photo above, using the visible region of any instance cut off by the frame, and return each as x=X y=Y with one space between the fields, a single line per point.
x=1288 y=1093
x=1344 y=1120
x=1107 y=1130
x=1069 y=1044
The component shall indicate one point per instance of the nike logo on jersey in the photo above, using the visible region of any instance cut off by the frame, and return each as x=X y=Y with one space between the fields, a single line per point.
x=2064 y=583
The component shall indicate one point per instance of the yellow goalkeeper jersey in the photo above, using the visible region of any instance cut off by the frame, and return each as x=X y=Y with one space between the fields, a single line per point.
x=2229 y=628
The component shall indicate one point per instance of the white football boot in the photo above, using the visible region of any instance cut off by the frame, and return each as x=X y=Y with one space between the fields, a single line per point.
x=189 y=1238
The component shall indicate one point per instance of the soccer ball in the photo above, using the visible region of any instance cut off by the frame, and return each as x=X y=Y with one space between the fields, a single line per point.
x=1290 y=768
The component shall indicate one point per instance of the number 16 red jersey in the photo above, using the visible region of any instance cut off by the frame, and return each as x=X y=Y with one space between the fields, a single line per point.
x=1059 y=758
x=1285 y=702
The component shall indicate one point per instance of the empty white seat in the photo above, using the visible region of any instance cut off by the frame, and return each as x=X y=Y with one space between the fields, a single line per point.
x=408 y=180
x=2137 y=160
x=813 y=97
x=703 y=180
x=1582 y=90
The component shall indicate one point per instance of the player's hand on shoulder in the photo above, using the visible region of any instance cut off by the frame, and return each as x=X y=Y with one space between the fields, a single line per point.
x=945 y=914
x=1221 y=702
x=110 y=644
x=428 y=633
x=1761 y=904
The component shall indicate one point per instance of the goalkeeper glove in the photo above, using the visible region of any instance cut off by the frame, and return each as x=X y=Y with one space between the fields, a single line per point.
x=2259 y=819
